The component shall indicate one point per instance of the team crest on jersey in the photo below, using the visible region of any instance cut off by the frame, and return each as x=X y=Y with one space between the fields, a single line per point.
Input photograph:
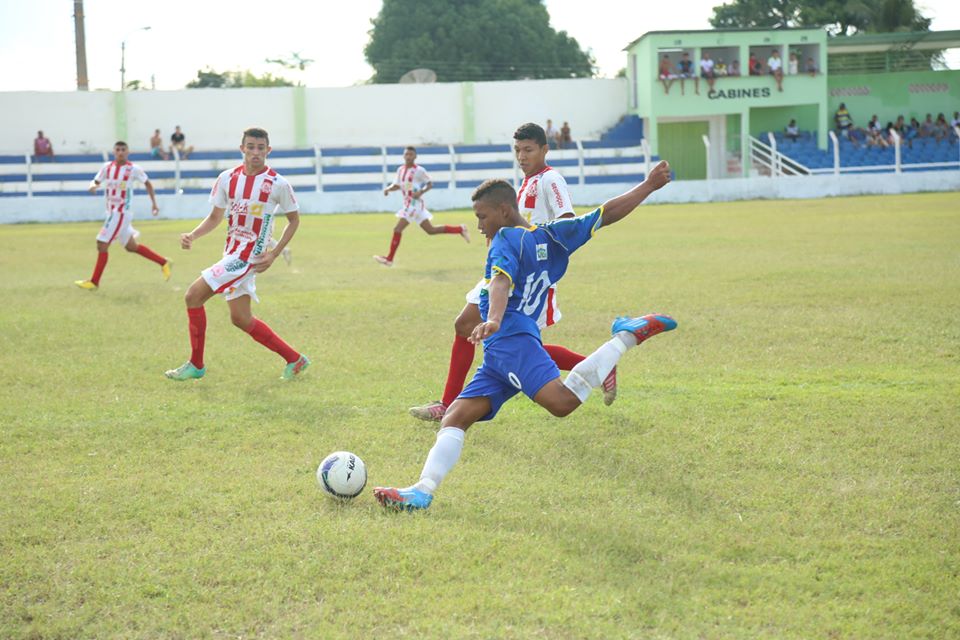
x=266 y=187
x=541 y=252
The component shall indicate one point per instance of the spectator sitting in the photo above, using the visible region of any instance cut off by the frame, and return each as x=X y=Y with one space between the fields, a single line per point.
x=914 y=130
x=792 y=132
x=42 y=148
x=907 y=134
x=706 y=70
x=685 y=70
x=753 y=65
x=775 y=65
x=552 y=134
x=844 y=124
x=565 y=138
x=721 y=69
x=942 y=127
x=811 y=67
x=875 y=136
x=734 y=68
x=954 y=124
x=928 y=129
x=156 y=146
x=793 y=64
x=666 y=74
x=178 y=144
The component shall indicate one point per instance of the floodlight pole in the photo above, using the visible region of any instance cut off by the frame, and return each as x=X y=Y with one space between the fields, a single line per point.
x=123 y=58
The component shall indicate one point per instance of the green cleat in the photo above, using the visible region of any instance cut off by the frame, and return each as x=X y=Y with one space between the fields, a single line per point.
x=295 y=368
x=186 y=371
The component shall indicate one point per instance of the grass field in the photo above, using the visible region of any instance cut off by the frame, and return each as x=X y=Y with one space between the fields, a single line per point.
x=784 y=465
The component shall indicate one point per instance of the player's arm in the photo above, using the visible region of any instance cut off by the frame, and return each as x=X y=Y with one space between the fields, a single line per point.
x=263 y=261
x=558 y=198
x=153 y=196
x=95 y=183
x=417 y=193
x=213 y=219
x=392 y=187
x=618 y=208
x=498 y=292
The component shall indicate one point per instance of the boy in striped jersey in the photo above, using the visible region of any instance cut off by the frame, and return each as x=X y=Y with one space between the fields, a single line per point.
x=413 y=181
x=117 y=178
x=542 y=198
x=254 y=194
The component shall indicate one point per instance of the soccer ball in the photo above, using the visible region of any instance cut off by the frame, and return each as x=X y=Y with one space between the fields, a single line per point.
x=342 y=475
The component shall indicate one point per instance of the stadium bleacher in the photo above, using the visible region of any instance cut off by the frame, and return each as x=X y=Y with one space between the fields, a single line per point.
x=863 y=159
x=332 y=169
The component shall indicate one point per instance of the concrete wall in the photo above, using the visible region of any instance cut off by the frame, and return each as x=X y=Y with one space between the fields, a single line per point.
x=80 y=208
x=297 y=117
x=913 y=93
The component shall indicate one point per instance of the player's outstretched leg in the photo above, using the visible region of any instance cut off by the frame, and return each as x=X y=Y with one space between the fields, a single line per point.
x=627 y=333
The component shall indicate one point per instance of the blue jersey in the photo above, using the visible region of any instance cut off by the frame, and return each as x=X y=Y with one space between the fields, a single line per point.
x=534 y=258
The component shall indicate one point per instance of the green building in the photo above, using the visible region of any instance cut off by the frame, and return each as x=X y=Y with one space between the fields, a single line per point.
x=883 y=74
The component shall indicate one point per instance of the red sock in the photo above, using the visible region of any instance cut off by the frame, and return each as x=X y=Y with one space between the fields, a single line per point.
x=98 y=270
x=198 y=334
x=263 y=334
x=566 y=360
x=452 y=228
x=393 y=245
x=150 y=255
x=461 y=358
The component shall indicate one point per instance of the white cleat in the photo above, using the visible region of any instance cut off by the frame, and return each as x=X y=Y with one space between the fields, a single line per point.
x=383 y=261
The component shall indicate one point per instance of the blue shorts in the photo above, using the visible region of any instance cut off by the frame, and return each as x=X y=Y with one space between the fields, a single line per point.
x=511 y=364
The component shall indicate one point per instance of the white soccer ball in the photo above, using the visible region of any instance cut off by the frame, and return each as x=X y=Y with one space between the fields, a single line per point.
x=342 y=475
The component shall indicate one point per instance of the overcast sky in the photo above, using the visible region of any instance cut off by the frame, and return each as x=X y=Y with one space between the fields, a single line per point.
x=37 y=45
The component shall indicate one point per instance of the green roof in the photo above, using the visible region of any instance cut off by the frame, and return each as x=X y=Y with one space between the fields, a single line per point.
x=867 y=42
x=739 y=30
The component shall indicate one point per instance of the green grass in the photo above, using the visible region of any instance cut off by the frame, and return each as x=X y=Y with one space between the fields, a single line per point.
x=784 y=465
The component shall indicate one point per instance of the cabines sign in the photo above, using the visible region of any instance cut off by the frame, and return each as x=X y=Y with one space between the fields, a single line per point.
x=718 y=94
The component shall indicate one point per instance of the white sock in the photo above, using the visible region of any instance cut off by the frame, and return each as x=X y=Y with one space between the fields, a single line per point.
x=441 y=458
x=591 y=372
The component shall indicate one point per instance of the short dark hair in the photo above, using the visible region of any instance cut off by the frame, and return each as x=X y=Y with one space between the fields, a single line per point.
x=530 y=131
x=255 y=132
x=410 y=148
x=120 y=143
x=496 y=191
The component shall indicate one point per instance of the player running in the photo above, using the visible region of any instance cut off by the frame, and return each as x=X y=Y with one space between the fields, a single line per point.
x=117 y=178
x=413 y=181
x=543 y=197
x=254 y=194
x=522 y=264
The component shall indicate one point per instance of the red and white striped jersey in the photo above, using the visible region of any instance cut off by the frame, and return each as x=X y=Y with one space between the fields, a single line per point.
x=251 y=202
x=543 y=196
x=410 y=179
x=117 y=181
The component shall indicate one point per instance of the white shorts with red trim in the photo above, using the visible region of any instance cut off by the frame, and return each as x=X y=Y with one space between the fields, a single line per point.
x=118 y=226
x=415 y=214
x=231 y=277
x=551 y=311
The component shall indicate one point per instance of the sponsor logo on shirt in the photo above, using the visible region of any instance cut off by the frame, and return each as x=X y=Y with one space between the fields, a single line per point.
x=234 y=266
x=541 y=252
x=556 y=194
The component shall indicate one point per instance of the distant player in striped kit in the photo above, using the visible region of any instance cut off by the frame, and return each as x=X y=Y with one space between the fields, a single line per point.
x=542 y=198
x=253 y=194
x=413 y=181
x=117 y=178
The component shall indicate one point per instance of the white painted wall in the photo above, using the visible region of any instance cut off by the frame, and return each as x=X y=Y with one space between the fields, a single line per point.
x=80 y=208
x=369 y=115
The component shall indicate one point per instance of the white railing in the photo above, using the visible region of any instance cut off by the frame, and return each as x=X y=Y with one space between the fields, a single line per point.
x=324 y=168
x=777 y=164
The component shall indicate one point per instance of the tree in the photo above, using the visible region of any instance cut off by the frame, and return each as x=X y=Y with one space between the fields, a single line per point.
x=210 y=79
x=840 y=17
x=469 y=40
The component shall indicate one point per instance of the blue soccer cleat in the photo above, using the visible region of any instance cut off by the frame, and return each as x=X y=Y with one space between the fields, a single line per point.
x=402 y=499
x=644 y=327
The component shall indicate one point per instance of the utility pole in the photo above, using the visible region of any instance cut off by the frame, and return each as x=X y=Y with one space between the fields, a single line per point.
x=82 y=83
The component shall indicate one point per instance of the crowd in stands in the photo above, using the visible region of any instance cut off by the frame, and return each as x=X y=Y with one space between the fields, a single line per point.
x=711 y=70
x=882 y=136
x=558 y=138
x=43 y=148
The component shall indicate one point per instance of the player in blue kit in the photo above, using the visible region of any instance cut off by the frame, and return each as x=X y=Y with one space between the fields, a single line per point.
x=523 y=262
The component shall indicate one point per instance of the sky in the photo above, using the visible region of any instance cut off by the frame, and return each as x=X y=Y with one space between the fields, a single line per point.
x=37 y=42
